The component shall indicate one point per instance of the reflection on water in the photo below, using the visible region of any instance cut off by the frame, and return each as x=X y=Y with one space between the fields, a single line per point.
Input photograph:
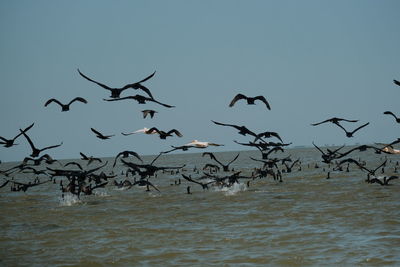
x=304 y=220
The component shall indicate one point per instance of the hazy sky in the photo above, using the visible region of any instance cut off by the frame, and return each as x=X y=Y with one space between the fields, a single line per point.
x=312 y=60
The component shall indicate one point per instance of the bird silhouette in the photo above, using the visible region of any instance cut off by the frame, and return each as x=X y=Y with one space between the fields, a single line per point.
x=350 y=134
x=242 y=129
x=224 y=166
x=37 y=151
x=65 y=107
x=383 y=180
x=10 y=142
x=140 y=99
x=396 y=82
x=100 y=135
x=148 y=112
x=126 y=154
x=144 y=130
x=334 y=120
x=89 y=159
x=250 y=100
x=116 y=92
x=162 y=134
x=394 y=116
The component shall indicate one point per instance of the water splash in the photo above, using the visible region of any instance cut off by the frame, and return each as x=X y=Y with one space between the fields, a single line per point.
x=69 y=200
x=231 y=190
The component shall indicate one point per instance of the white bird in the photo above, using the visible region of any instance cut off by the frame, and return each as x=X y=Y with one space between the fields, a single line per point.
x=144 y=130
x=200 y=144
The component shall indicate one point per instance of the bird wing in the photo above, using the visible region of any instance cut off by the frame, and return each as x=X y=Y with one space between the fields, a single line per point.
x=100 y=84
x=229 y=163
x=262 y=98
x=237 y=98
x=396 y=82
x=175 y=132
x=391 y=178
x=80 y=99
x=362 y=126
x=53 y=100
x=25 y=130
x=158 y=102
x=28 y=139
x=390 y=113
x=96 y=132
x=49 y=147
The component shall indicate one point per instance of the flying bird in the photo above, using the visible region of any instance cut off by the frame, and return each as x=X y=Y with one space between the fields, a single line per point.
x=65 y=107
x=100 y=135
x=250 y=100
x=242 y=129
x=126 y=154
x=116 y=92
x=394 y=116
x=333 y=120
x=36 y=151
x=10 y=142
x=350 y=134
x=383 y=180
x=140 y=99
x=200 y=144
x=144 y=130
x=224 y=166
x=162 y=134
x=396 y=82
x=148 y=112
x=89 y=159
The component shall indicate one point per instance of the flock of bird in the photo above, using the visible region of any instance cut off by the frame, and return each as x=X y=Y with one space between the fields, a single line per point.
x=77 y=179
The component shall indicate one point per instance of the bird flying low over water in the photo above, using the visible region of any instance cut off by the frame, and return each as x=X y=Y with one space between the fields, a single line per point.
x=396 y=82
x=394 y=116
x=65 y=107
x=350 y=134
x=100 y=135
x=383 y=180
x=148 y=112
x=126 y=154
x=250 y=100
x=140 y=99
x=333 y=120
x=115 y=92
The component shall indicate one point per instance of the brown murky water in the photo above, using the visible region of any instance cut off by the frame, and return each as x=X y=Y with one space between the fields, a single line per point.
x=307 y=220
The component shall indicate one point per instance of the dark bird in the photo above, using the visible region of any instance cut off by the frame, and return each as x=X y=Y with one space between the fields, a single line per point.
x=333 y=120
x=394 y=116
x=350 y=134
x=396 y=82
x=361 y=166
x=383 y=181
x=162 y=134
x=242 y=129
x=268 y=135
x=24 y=187
x=115 y=92
x=140 y=99
x=203 y=185
x=89 y=159
x=224 y=166
x=126 y=154
x=100 y=135
x=250 y=100
x=148 y=112
x=65 y=107
x=10 y=142
x=36 y=151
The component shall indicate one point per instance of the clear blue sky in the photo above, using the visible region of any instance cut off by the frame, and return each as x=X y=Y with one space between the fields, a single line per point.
x=312 y=60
